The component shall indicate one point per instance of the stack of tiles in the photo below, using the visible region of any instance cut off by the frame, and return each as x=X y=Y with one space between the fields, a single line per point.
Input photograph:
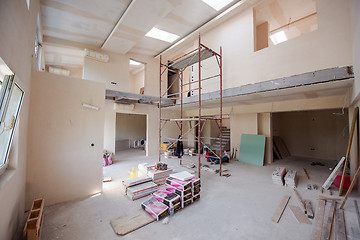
x=143 y=168
x=141 y=190
x=170 y=199
x=135 y=181
x=182 y=188
x=159 y=176
x=278 y=176
x=155 y=208
x=195 y=187
x=290 y=178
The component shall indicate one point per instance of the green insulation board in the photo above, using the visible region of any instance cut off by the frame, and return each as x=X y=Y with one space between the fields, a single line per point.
x=252 y=149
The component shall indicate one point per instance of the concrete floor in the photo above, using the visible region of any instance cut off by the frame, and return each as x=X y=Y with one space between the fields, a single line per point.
x=238 y=207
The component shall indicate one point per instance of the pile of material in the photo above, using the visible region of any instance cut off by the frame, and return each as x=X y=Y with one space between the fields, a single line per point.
x=141 y=190
x=159 y=176
x=170 y=199
x=155 y=208
x=143 y=168
x=278 y=176
x=290 y=179
x=176 y=195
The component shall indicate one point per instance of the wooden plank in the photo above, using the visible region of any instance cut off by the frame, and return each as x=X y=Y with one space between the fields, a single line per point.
x=301 y=202
x=280 y=209
x=353 y=123
x=276 y=151
x=333 y=174
x=309 y=211
x=284 y=152
x=306 y=173
x=299 y=215
x=353 y=182
x=357 y=211
x=326 y=231
x=318 y=220
x=131 y=222
x=340 y=230
x=328 y=198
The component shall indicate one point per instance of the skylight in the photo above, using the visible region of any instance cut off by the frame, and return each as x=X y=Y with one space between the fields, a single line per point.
x=217 y=4
x=135 y=63
x=162 y=35
x=278 y=37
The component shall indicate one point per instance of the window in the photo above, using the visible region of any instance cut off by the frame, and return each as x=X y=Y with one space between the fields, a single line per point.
x=137 y=76
x=11 y=96
x=277 y=21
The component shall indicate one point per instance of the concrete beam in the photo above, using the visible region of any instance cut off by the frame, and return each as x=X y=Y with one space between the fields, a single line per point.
x=316 y=77
x=136 y=98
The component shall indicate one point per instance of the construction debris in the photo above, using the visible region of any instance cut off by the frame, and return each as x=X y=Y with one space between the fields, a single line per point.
x=319 y=220
x=334 y=173
x=309 y=211
x=280 y=209
x=301 y=202
x=299 y=215
x=307 y=175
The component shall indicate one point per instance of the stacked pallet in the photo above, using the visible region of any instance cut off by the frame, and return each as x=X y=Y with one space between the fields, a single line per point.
x=278 y=176
x=141 y=190
x=159 y=176
x=155 y=208
x=32 y=230
x=290 y=179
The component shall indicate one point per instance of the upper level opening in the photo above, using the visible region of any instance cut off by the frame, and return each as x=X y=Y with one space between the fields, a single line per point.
x=277 y=21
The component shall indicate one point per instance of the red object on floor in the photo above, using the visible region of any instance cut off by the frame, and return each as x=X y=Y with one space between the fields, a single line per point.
x=347 y=181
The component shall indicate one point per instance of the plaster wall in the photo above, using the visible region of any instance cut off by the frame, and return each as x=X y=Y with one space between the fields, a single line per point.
x=17 y=47
x=65 y=139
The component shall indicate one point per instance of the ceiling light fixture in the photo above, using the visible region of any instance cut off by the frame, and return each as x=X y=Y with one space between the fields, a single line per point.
x=162 y=35
x=135 y=63
x=278 y=37
x=216 y=4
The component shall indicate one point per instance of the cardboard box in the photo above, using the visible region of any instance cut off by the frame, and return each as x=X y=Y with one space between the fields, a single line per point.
x=167 y=197
x=156 y=209
x=196 y=197
x=179 y=184
x=186 y=203
x=179 y=192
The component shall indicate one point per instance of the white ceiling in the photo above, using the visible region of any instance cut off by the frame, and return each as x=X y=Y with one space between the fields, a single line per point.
x=90 y=22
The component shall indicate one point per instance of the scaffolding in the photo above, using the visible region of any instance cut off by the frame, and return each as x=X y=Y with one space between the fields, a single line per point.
x=179 y=65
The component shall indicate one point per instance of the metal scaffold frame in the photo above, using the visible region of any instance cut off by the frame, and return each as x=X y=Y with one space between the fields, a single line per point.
x=180 y=64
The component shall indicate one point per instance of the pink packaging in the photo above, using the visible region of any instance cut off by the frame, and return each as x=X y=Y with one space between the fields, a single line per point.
x=179 y=184
x=167 y=197
x=155 y=208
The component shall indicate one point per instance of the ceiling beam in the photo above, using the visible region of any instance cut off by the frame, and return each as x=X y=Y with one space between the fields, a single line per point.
x=129 y=7
x=62 y=42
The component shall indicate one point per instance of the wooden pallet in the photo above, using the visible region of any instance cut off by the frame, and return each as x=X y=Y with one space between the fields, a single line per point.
x=32 y=229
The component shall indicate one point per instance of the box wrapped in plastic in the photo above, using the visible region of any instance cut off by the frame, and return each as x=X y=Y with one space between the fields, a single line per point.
x=167 y=197
x=179 y=184
x=156 y=209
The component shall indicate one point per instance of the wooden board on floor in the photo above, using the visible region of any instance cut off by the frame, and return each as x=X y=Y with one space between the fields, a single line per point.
x=281 y=209
x=131 y=222
x=309 y=211
x=299 y=215
x=340 y=230
x=326 y=231
x=252 y=149
x=318 y=220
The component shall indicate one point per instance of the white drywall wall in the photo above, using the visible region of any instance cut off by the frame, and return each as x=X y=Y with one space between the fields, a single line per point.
x=62 y=163
x=17 y=31
x=329 y=46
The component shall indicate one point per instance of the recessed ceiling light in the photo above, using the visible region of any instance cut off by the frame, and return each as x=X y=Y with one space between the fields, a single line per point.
x=278 y=37
x=162 y=35
x=217 y=4
x=132 y=62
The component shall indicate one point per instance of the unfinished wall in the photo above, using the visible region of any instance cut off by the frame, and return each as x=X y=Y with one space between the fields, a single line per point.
x=130 y=126
x=17 y=31
x=313 y=134
x=309 y=52
x=65 y=140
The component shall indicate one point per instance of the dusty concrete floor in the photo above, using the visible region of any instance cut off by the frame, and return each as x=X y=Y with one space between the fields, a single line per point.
x=238 y=207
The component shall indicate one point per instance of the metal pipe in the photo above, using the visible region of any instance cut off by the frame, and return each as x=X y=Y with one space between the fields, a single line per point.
x=181 y=108
x=160 y=112
x=220 y=108
x=199 y=127
x=204 y=79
